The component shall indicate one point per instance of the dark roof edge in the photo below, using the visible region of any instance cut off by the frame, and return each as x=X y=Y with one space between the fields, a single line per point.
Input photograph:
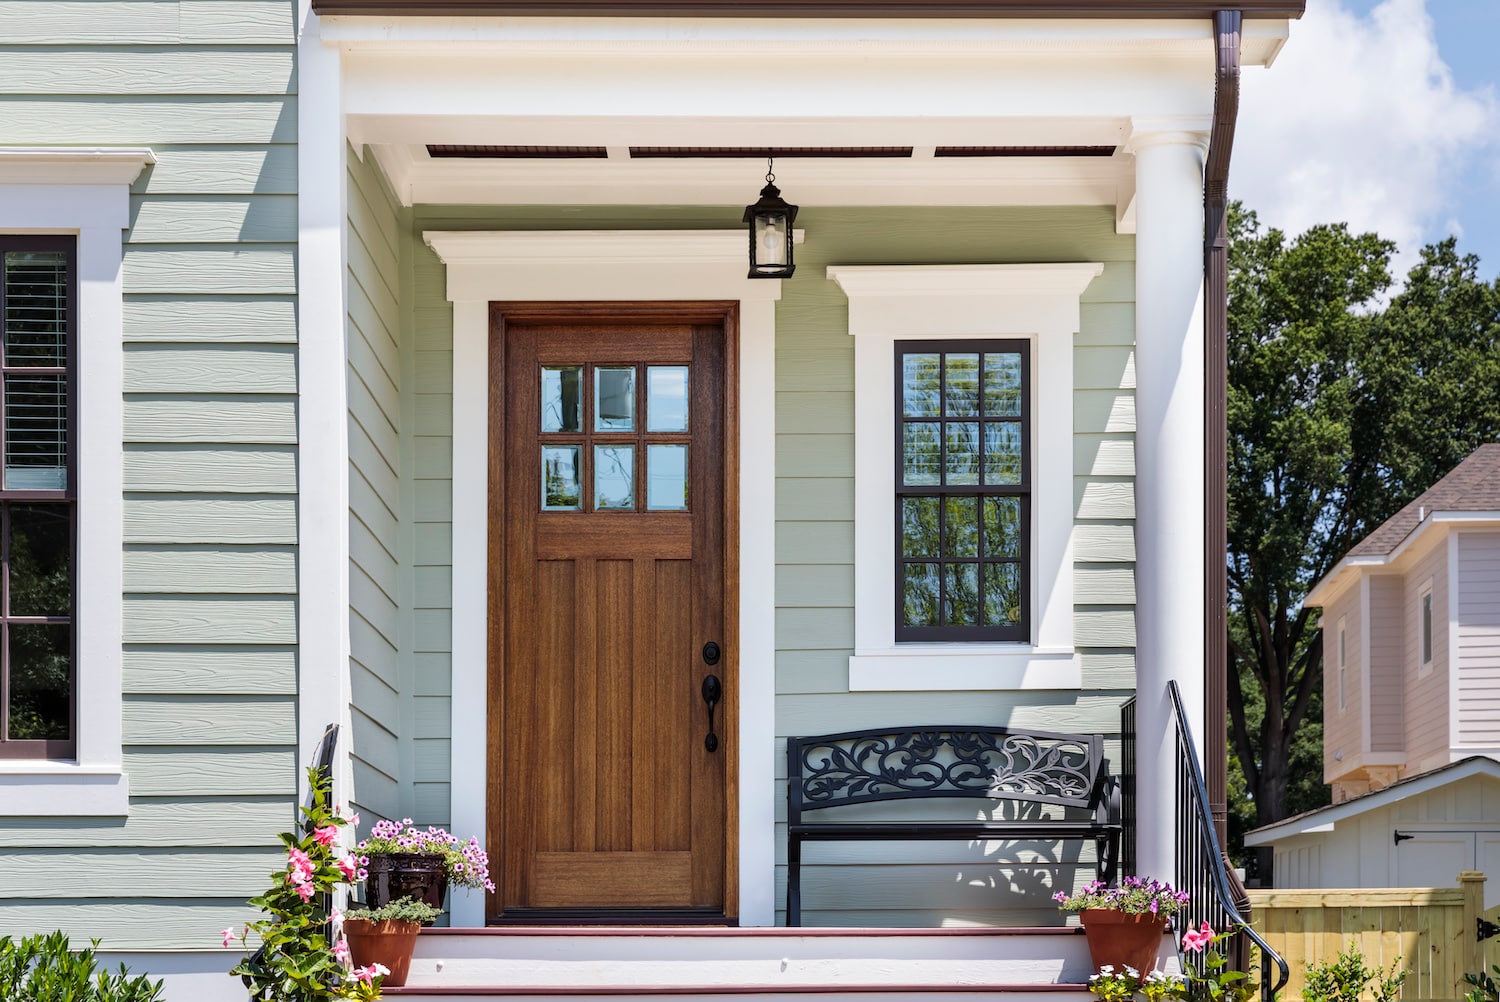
x=816 y=8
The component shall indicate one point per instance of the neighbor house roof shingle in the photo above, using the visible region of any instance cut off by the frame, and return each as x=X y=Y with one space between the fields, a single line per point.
x=1473 y=485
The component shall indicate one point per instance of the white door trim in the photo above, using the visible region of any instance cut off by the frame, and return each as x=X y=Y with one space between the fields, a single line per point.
x=486 y=266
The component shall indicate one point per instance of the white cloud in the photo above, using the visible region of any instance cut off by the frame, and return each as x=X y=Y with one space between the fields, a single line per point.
x=1359 y=121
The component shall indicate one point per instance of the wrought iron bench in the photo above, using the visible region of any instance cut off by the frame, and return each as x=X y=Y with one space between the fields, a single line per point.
x=827 y=772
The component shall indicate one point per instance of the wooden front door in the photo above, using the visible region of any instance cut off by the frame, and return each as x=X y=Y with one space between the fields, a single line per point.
x=609 y=579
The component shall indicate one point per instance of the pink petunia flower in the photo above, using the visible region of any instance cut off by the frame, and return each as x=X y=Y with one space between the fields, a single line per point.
x=305 y=891
x=228 y=935
x=325 y=836
x=1196 y=940
x=341 y=952
x=349 y=867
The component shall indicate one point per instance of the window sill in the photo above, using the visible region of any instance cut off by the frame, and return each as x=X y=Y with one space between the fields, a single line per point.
x=931 y=667
x=63 y=789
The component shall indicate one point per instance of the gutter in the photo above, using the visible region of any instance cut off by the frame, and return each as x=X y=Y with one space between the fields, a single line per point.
x=1227 y=25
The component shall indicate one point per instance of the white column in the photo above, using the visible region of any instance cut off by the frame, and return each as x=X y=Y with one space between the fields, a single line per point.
x=322 y=408
x=1169 y=466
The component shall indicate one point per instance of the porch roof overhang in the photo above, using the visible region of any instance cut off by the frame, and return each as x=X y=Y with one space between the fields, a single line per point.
x=617 y=83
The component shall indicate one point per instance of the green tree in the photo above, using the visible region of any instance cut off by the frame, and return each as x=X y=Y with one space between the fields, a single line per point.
x=1340 y=412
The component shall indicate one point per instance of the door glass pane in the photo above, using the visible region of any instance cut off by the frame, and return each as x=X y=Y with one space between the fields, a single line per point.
x=963 y=452
x=921 y=385
x=614 y=399
x=920 y=465
x=1002 y=527
x=41 y=668
x=41 y=565
x=666 y=477
x=961 y=527
x=561 y=484
x=1002 y=384
x=614 y=477
x=562 y=398
x=666 y=398
x=36 y=308
x=920 y=601
x=919 y=527
x=1002 y=594
x=961 y=603
x=36 y=433
x=1002 y=452
x=961 y=394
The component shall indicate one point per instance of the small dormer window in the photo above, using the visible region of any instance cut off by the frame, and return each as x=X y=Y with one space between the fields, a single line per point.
x=1425 y=605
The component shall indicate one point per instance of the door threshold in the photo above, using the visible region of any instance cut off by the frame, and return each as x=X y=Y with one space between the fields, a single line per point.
x=610 y=917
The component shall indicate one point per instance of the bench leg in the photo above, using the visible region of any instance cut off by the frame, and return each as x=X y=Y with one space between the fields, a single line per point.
x=793 y=881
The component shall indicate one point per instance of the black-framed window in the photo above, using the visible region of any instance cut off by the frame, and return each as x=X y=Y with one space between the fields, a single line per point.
x=38 y=492
x=963 y=490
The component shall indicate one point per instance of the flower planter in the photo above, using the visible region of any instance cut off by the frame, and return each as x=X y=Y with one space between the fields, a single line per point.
x=1122 y=939
x=419 y=875
x=389 y=943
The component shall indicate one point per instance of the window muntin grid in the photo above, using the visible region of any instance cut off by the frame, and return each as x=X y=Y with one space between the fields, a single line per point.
x=962 y=490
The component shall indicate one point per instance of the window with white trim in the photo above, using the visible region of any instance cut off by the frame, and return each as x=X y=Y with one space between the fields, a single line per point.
x=38 y=311
x=1343 y=660
x=1424 y=627
x=900 y=307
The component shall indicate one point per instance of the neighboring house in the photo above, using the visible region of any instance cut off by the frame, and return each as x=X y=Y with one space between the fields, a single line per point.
x=1411 y=652
x=345 y=434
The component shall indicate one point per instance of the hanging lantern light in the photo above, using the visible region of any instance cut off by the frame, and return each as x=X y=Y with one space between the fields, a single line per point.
x=770 y=221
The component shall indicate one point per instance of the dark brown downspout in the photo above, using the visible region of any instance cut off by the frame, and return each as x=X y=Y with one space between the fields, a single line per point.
x=1215 y=363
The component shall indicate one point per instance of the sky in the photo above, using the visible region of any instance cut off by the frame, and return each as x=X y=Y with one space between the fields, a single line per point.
x=1384 y=114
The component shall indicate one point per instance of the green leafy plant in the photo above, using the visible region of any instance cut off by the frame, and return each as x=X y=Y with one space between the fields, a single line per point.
x=1212 y=979
x=1485 y=988
x=42 y=968
x=400 y=910
x=1346 y=978
x=302 y=957
x=1134 y=896
x=1111 y=985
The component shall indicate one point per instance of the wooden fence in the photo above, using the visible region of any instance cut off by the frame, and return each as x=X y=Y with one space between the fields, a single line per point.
x=1431 y=929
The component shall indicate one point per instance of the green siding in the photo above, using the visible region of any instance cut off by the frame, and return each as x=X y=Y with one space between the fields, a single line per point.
x=815 y=511
x=210 y=525
x=375 y=505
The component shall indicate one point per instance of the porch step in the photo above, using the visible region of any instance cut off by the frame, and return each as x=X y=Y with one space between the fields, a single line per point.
x=753 y=965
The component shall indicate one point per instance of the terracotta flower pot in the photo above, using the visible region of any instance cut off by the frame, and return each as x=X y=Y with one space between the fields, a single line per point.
x=419 y=875
x=1119 y=939
x=390 y=943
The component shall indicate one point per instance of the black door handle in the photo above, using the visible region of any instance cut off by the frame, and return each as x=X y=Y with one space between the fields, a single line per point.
x=713 y=691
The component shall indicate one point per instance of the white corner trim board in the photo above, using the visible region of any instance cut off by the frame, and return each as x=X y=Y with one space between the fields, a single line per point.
x=1039 y=302
x=85 y=192
x=621 y=266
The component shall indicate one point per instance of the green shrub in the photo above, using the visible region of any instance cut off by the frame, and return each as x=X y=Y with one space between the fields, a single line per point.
x=1346 y=978
x=402 y=910
x=1485 y=989
x=41 y=968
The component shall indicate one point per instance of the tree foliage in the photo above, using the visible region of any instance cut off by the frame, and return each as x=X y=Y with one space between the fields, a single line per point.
x=1341 y=410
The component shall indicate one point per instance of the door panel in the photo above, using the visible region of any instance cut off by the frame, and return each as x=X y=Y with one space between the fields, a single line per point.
x=608 y=799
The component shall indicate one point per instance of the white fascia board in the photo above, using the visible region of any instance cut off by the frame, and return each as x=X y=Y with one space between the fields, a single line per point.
x=1323 y=819
x=69 y=165
x=1328 y=588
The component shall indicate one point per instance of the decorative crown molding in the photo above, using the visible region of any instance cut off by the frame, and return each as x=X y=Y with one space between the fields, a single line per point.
x=73 y=164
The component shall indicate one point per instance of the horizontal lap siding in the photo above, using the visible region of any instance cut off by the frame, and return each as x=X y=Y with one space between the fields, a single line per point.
x=374 y=490
x=1343 y=728
x=1478 y=613
x=210 y=368
x=1427 y=725
x=1385 y=659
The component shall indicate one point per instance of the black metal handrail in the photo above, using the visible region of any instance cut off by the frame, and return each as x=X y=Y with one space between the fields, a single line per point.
x=1216 y=894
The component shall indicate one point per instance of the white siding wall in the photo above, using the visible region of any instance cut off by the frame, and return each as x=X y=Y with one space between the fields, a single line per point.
x=1478 y=612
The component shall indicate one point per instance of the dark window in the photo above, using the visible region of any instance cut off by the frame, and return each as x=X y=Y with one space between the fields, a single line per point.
x=38 y=316
x=963 y=490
